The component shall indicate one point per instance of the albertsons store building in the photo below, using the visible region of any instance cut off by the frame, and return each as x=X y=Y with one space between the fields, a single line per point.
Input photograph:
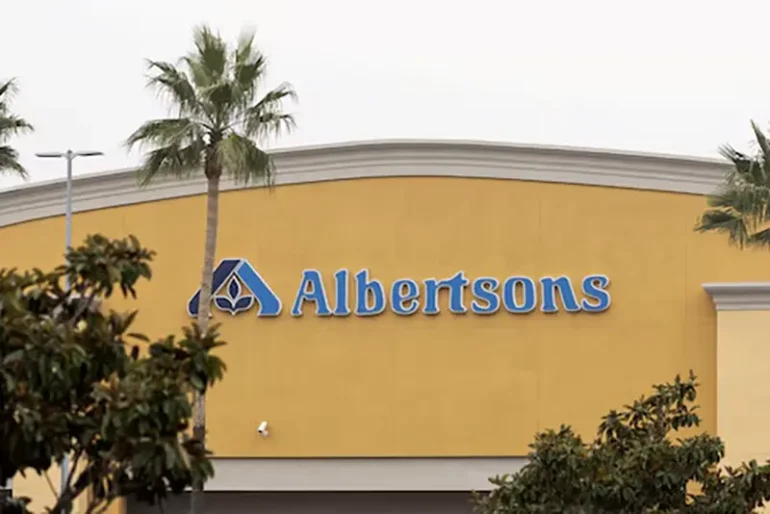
x=412 y=312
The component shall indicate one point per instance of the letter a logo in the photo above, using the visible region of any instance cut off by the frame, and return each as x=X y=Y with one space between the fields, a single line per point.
x=236 y=287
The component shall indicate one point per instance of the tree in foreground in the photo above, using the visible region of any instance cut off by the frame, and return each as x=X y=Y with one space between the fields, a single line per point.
x=75 y=379
x=741 y=207
x=636 y=465
x=10 y=125
x=219 y=123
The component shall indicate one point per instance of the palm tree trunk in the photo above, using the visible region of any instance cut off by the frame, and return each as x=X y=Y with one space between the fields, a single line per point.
x=204 y=310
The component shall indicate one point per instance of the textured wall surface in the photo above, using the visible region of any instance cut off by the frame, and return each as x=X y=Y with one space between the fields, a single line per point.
x=445 y=385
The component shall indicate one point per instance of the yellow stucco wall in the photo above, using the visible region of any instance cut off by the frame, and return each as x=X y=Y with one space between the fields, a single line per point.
x=428 y=386
x=742 y=354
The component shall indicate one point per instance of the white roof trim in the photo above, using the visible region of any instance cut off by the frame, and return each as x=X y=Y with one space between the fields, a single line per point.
x=397 y=158
x=360 y=474
x=740 y=296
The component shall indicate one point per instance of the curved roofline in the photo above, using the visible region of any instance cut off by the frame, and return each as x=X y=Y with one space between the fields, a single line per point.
x=390 y=158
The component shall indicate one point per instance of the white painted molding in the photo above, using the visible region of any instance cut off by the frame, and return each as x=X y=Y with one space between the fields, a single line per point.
x=360 y=474
x=389 y=159
x=740 y=296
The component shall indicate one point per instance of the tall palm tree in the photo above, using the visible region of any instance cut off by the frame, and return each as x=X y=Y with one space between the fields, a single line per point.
x=219 y=125
x=741 y=207
x=10 y=125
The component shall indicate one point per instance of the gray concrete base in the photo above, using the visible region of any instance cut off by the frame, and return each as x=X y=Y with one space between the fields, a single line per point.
x=319 y=503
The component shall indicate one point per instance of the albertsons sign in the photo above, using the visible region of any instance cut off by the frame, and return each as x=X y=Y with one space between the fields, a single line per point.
x=238 y=288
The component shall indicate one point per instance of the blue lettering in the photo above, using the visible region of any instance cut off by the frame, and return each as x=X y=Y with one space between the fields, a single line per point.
x=403 y=302
x=363 y=287
x=456 y=286
x=484 y=289
x=529 y=295
x=549 y=287
x=311 y=289
x=431 y=296
x=594 y=286
x=341 y=285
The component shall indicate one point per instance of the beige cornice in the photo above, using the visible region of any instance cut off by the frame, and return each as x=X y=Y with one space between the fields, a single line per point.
x=740 y=296
x=390 y=159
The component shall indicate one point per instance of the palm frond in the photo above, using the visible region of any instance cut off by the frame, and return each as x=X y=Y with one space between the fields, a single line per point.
x=741 y=207
x=165 y=132
x=249 y=66
x=244 y=161
x=170 y=82
x=724 y=221
x=178 y=144
x=748 y=200
x=8 y=89
x=760 y=238
x=226 y=80
x=208 y=63
x=746 y=168
x=273 y=100
x=761 y=139
x=266 y=117
x=9 y=162
x=12 y=125
x=733 y=155
x=173 y=161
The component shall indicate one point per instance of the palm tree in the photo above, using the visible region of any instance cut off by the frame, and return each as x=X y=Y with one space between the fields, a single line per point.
x=219 y=124
x=741 y=207
x=10 y=125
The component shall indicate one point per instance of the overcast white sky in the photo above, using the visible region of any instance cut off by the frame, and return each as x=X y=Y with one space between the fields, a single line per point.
x=675 y=76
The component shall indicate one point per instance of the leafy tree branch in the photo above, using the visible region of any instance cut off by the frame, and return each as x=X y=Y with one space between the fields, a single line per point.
x=75 y=379
x=637 y=464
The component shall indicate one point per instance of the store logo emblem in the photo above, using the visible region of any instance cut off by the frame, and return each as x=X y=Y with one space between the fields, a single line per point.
x=236 y=287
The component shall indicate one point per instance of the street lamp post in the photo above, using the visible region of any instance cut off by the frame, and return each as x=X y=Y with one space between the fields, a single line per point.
x=69 y=156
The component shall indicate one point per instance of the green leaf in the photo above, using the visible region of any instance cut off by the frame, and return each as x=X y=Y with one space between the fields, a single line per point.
x=13 y=357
